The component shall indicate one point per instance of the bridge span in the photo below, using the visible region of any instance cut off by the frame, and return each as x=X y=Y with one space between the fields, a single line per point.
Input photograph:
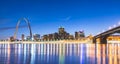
x=104 y=35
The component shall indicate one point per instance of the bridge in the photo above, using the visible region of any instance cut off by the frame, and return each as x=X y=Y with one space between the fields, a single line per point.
x=103 y=36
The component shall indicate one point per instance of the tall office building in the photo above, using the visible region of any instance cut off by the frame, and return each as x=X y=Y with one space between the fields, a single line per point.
x=50 y=36
x=23 y=37
x=61 y=30
x=12 y=38
x=76 y=35
x=62 y=33
x=79 y=34
x=45 y=37
x=55 y=36
x=36 y=37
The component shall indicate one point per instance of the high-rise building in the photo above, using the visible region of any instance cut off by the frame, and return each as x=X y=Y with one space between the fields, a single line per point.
x=62 y=33
x=79 y=34
x=76 y=35
x=67 y=35
x=36 y=37
x=45 y=37
x=12 y=38
x=55 y=36
x=50 y=36
x=61 y=30
x=23 y=37
x=28 y=38
x=71 y=37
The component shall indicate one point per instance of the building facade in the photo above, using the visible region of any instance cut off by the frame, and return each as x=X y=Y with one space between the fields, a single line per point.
x=79 y=35
x=36 y=37
x=60 y=35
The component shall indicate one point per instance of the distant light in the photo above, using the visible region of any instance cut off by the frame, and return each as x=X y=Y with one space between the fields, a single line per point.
x=110 y=27
x=119 y=23
x=32 y=38
x=114 y=25
x=25 y=38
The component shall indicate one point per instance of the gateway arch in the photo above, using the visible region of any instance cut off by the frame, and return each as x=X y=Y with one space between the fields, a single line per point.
x=28 y=24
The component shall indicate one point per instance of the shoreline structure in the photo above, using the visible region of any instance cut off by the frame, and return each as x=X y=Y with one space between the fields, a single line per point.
x=47 y=42
x=86 y=41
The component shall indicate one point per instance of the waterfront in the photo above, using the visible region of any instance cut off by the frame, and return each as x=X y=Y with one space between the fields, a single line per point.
x=60 y=53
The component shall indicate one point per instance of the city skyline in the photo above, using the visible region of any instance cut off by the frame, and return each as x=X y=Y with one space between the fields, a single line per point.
x=47 y=16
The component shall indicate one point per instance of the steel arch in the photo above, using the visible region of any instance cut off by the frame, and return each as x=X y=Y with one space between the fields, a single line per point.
x=17 y=26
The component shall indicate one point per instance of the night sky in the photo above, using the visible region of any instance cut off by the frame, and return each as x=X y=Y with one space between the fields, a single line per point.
x=46 y=16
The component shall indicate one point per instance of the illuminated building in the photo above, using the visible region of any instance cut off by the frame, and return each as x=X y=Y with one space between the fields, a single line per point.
x=45 y=37
x=50 y=37
x=61 y=30
x=55 y=35
x=12 y=38
x=114 y=38
x=71 y=37
x=23 y=37
x=36 y=37
x=79 y=35
x=63 y=35
x=28 y=38
x=76 y=35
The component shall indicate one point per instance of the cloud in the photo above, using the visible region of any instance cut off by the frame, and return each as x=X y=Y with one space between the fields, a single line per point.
x=67 y=18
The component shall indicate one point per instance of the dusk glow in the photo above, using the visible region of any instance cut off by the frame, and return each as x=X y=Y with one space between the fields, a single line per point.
x=59 y=31
x=47 y=16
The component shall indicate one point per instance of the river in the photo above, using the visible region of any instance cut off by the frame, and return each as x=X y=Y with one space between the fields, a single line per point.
x=60 y=53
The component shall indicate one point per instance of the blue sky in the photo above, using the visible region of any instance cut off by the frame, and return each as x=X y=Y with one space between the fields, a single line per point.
x=46 y=16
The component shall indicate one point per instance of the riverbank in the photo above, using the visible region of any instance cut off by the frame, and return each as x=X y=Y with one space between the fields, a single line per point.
x=47 y=42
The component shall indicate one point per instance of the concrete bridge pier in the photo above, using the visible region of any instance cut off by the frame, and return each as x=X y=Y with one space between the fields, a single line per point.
x=94 y=40
x=103 y=40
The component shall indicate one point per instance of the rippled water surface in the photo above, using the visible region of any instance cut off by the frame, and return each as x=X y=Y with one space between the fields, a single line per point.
x=59 y=53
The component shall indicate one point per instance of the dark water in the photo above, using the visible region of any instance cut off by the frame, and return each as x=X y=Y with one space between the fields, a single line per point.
x=59 y=53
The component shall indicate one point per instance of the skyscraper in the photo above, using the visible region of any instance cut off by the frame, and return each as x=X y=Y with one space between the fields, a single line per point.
x=79 y=34
x=76 y=35
x=62 y=33
x=61 y=30
x=36 y=37
x=23 y=37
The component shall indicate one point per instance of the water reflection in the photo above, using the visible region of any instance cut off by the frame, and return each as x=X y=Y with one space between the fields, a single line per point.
x=59 y=53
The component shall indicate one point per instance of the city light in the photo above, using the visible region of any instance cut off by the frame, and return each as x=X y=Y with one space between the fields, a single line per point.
x=87 y=34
